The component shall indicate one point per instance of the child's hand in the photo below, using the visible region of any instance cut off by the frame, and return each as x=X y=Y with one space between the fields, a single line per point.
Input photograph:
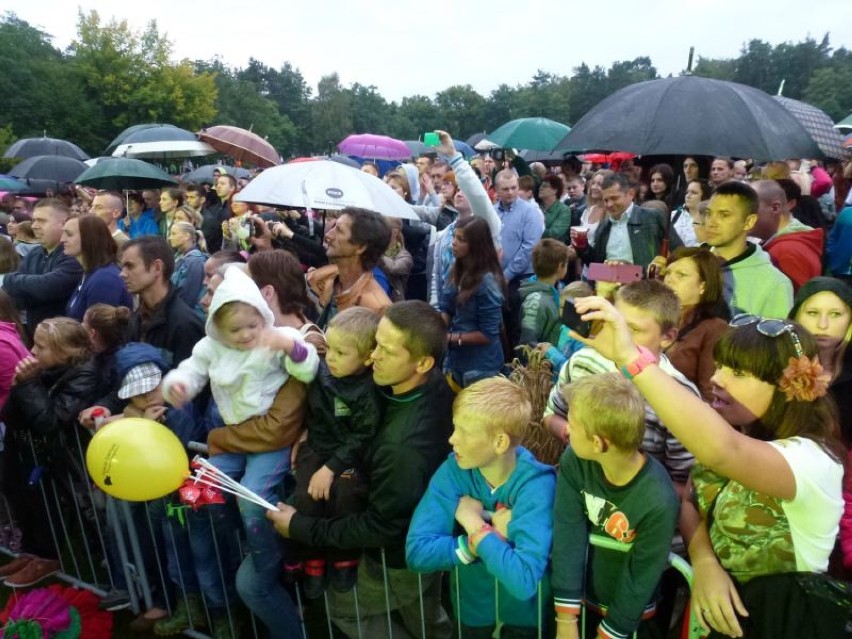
x=178 y=396
x=275 y=341
x=87 y=417
x=226 y=230
x=469 y=513
x=320 y=484
x=568 y=629
x=500 y=520
x=155 y=412
x=26 y=369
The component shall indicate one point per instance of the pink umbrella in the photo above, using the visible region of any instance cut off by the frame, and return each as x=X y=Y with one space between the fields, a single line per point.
x=376 y=147
x=240 y=144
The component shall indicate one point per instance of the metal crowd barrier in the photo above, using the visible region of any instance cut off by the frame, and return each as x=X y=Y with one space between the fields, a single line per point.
x=106 y=544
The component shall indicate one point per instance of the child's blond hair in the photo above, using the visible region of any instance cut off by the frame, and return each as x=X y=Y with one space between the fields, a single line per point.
x=360 y=324
x=608 y=406
x=67 y=339
x=501 y=405
x=229 y=309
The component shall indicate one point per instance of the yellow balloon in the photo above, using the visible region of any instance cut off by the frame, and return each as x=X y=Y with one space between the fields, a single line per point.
x=137 y=459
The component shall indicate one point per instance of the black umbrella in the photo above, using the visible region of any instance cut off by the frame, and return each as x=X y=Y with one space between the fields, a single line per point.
x=691 y=115
x=118 y=138
x=140 y=133
x=49 y=167
x=818 y=124
x=31 y=147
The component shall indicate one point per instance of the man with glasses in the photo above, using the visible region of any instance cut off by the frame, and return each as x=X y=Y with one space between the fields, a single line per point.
x=752 y=284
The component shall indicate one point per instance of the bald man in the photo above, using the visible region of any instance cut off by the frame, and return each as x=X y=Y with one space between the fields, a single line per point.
x=110 y=208
x=795 y=248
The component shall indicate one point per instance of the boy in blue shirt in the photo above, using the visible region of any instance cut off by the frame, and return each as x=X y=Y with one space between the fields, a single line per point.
x=487 y=512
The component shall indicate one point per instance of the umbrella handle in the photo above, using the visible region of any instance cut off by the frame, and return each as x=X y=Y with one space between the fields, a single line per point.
x=664 y=247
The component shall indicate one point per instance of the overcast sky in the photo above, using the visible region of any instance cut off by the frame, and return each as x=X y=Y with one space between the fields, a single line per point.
x=406 y=48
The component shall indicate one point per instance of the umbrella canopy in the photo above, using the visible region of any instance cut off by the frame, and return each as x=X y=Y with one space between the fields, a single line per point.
x=164 y=149
x=31 y=147
x=128 y=131
x=845 y=124
x=817 y=124
x=204 y=174
x=49 y=167
x=475 y=139
x=542 y=156
x=464 y=148
x=324 y=184
x=485 y=145
x=9 y=183
x=371 y=146
x=240 y=144
x=118 y=174
x=689 y=115
x=418 y=148
x=536 y=134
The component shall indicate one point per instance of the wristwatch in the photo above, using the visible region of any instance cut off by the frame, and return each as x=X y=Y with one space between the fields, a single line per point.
x=643 y=361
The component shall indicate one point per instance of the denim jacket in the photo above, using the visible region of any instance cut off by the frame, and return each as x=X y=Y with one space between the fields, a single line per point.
x=483 y=313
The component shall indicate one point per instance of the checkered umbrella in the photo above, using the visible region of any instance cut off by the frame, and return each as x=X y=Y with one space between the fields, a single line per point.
x=818 y=125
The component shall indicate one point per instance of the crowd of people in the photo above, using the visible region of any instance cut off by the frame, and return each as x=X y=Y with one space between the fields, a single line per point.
x=696 y=323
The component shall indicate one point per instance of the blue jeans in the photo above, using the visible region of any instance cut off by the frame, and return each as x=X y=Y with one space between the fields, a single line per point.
x=257 y=578
x=213 y=539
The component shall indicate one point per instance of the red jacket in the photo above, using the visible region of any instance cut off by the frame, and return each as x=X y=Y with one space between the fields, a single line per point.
x=797 y=253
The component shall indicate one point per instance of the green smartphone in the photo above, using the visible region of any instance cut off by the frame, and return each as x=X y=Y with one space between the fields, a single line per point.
x=431 y=139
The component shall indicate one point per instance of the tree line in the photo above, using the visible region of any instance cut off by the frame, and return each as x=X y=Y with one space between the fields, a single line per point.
x=111 y=77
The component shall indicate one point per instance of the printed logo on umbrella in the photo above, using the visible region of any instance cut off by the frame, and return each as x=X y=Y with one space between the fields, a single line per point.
x=335 y=193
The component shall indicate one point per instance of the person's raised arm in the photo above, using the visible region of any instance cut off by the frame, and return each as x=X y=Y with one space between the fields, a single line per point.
x=469 y=184
x=753 y=463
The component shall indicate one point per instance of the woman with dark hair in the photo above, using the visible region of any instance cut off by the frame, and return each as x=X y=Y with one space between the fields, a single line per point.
x=279 y=276
x=88 y=240
x=139 y=221
x=472 y=305
x=662 y=185
x=767 y=486
x=686 y=218
x=170 y=201
x=695 y=276
x=557 y=216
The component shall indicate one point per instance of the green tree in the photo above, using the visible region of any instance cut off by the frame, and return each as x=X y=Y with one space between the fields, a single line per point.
x=422 y=113
x=132 y=78
x=461 y=110
x=830 y=89
x=331 y=116
x=370 y=110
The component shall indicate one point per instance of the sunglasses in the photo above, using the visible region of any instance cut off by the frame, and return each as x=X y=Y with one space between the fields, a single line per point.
x=769 y=328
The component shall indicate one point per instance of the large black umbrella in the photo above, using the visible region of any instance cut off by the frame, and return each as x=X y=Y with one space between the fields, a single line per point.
x=120 y=137
x=818 y=125
x=691 y=115
x=31 y=147
x=118 y=174
x=49 y=167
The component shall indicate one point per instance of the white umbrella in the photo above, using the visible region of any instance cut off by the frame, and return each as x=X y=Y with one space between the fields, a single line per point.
x=485 y=145
x=323 y=184
x=163 y=149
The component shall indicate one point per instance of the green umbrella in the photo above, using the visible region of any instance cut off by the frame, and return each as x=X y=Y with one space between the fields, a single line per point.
x=535 y=134
x=117 y=174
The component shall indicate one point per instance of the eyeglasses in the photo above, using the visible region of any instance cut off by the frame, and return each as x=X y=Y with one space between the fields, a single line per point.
x=769 y=328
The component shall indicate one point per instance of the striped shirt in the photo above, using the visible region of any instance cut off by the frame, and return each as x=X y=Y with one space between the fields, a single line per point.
x=658 y=441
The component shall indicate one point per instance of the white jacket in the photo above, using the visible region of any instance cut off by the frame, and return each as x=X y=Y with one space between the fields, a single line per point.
x=243 y=382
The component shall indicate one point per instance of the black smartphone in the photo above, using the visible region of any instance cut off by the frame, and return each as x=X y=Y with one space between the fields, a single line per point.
x=571 y=319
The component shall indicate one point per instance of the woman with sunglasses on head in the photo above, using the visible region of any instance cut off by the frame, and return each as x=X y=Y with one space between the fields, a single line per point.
x=767 y=485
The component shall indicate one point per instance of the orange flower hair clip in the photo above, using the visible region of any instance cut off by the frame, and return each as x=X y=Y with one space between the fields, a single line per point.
x=804 y=379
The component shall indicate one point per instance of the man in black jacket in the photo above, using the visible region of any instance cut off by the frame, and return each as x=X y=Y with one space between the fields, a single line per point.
x=213 y=215
x=411 y=443
x=628 y=234
x=162 y=319
x=47 y=277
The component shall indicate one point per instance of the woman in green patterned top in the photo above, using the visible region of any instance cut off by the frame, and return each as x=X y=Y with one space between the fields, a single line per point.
x=768 y=473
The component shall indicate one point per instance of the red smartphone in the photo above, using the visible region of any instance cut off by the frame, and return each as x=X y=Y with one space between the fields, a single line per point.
x=621 y=273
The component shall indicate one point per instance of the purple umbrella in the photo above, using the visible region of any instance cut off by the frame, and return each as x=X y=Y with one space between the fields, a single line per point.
x=376 y=147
